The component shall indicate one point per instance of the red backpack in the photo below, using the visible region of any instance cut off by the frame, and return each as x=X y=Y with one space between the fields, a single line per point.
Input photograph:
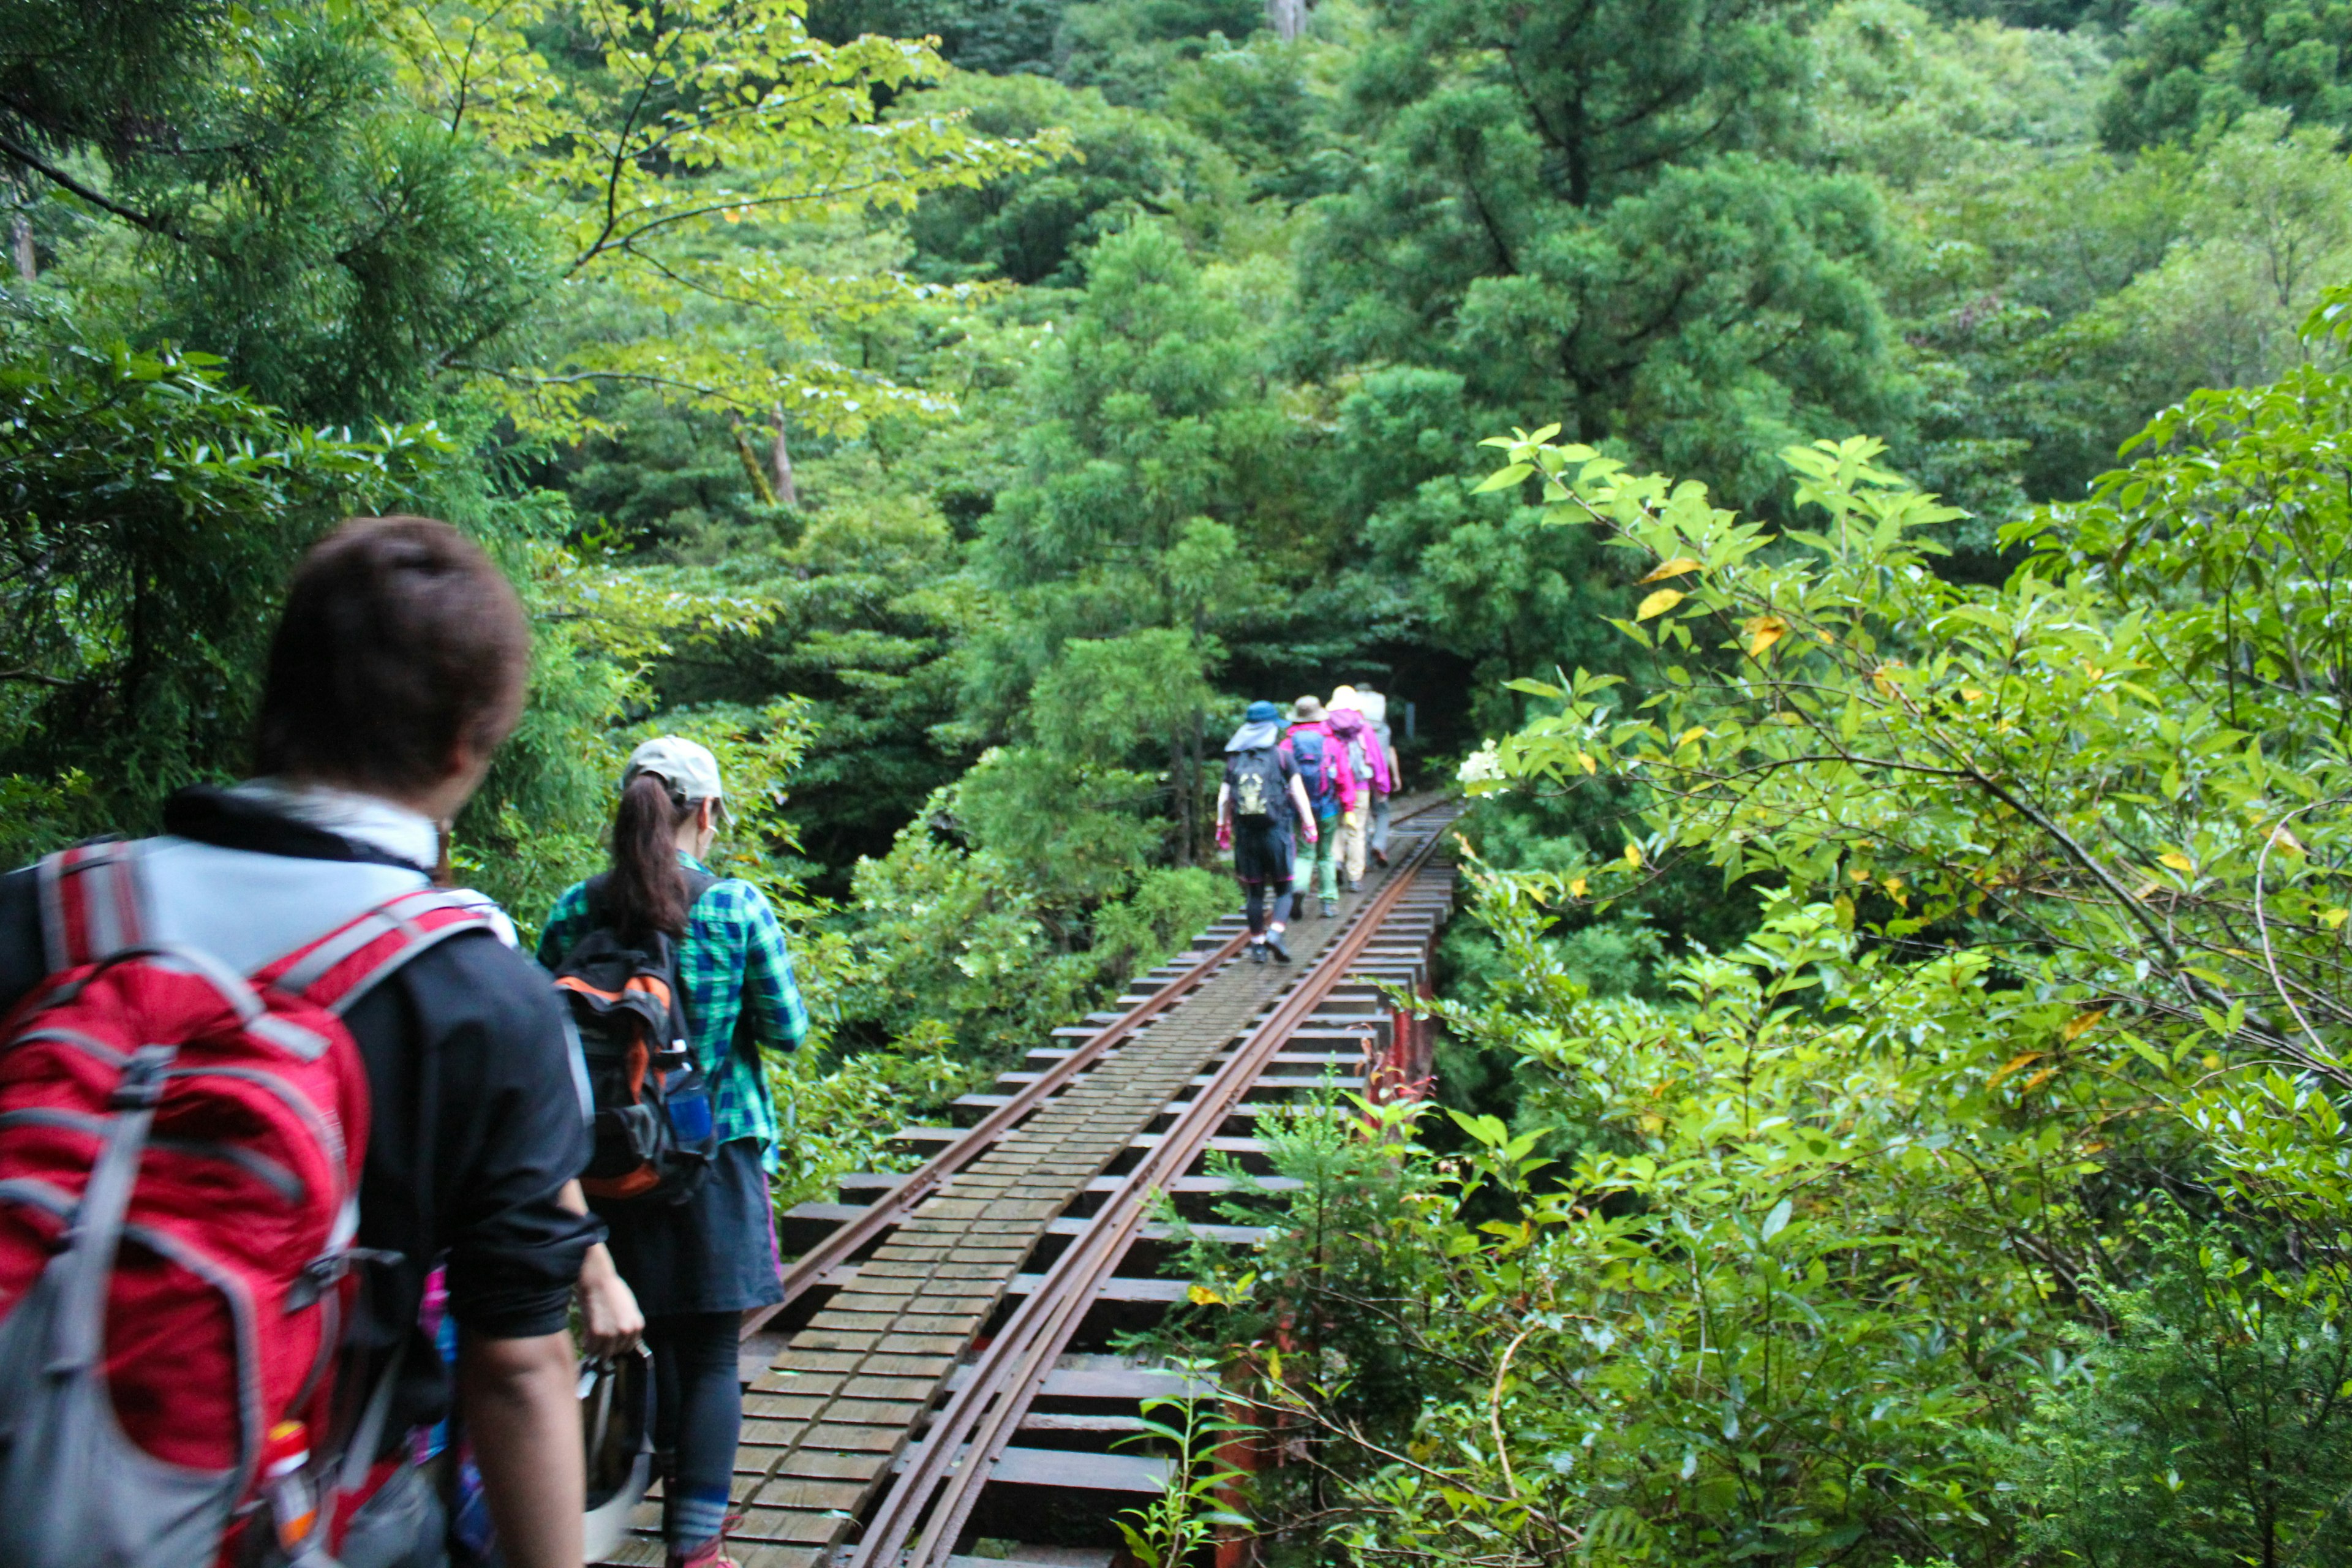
x=179 y=1156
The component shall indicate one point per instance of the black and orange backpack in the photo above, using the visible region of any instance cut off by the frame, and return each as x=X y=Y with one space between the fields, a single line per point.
x=654 y=1135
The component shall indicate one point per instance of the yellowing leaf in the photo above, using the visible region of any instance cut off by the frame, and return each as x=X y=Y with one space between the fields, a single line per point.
x=2081 y=1024
x=2335 y=918
x=1584 y=760
x=1687 y=736
x=1658 y=604
x=1578 y=886
x=1763 y=631
x=2024 y=1059
x=2177 y=860
x=2037 y=1080
x=1632 y=857
x=1201 y=1296
x=1674 y=568
x=1971 y=694
x=2285 y=843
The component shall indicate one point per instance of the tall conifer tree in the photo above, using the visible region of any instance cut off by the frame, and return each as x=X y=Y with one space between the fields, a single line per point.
x=1598 y=208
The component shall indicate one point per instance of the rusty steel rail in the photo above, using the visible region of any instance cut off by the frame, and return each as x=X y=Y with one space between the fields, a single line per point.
x=893 y=1207
x=890 y=1210
x=943 y=1484
x=914 y=1342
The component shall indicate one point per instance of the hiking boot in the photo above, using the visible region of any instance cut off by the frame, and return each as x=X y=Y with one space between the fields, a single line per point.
x=707 y=1555
x=1257 y=953
x=1381 y=855
x=1331 y=909
x=1274 y=945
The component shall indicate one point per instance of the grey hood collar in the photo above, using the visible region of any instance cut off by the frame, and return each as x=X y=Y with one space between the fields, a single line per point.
x=1255 y=737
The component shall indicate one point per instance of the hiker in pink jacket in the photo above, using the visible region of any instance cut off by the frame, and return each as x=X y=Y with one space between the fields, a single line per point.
x=1364 y=762
x=1333 y=792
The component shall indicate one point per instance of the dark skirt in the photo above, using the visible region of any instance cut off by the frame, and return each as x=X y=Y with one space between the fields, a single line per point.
x=715 y=1252
x=1262 y=851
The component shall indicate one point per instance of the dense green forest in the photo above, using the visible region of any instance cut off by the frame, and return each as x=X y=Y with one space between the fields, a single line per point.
x=1890 y=1111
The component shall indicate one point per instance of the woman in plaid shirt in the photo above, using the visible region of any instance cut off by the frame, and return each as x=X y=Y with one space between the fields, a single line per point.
x=698 y=1265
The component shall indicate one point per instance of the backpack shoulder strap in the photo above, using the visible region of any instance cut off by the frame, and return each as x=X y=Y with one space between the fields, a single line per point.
x=592 y=899
x=92 y=902
x=696 y=884
x=345 y=965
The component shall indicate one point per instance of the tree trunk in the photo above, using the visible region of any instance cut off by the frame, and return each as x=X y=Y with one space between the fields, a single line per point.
x=1200 y=839
x=1287 y=17
x=20 y=235
x=753 y=471
x=786 y=492
x=1179 y=785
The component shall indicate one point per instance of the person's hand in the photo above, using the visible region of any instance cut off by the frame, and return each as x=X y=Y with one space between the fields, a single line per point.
x=1311 y=835
x=1224 y=835
x=610 y=1321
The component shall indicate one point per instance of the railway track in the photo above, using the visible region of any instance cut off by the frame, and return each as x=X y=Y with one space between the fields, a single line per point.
x=936 y=1374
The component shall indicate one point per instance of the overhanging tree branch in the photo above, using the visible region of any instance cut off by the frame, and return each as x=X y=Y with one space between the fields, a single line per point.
x=95 y=197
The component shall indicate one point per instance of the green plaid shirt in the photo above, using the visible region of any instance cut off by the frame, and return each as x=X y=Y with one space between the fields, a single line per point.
x=733 y=960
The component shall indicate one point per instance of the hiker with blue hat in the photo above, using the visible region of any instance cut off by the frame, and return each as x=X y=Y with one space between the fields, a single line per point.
x=1262 y=793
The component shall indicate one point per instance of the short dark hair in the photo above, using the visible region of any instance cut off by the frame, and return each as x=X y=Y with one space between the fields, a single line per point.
x=400 y=640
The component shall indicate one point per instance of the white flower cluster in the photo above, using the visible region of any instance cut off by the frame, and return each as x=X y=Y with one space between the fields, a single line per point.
x=1481 y=772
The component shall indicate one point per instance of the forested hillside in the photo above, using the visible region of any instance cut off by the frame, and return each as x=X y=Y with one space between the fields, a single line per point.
x=1910 y=866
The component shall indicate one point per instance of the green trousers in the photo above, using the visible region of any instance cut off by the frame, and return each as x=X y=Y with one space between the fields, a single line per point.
x=1317 y=866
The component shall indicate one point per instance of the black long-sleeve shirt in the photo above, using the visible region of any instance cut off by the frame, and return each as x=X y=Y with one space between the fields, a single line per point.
x=476 y=1119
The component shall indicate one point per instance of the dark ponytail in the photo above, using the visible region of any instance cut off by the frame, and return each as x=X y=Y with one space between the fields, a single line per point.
x=647 y=890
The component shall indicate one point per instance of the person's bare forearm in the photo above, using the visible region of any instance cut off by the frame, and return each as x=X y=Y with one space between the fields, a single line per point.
x=521 y=1405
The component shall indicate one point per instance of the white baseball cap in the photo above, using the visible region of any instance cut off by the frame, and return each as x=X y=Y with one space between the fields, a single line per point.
x=687 y=766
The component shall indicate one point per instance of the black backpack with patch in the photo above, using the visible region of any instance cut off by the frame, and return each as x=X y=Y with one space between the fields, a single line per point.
x=1258 y=784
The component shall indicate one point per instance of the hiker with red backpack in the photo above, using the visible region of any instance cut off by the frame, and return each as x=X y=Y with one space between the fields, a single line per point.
x=1256 y=803
x=686 y=1127
x=258 y=1077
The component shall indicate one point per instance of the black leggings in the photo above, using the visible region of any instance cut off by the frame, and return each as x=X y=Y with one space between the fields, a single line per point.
x=1253 y=905
x=698 y=1413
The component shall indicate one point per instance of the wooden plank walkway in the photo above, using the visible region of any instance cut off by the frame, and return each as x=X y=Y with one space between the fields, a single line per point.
x=840 y=1405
